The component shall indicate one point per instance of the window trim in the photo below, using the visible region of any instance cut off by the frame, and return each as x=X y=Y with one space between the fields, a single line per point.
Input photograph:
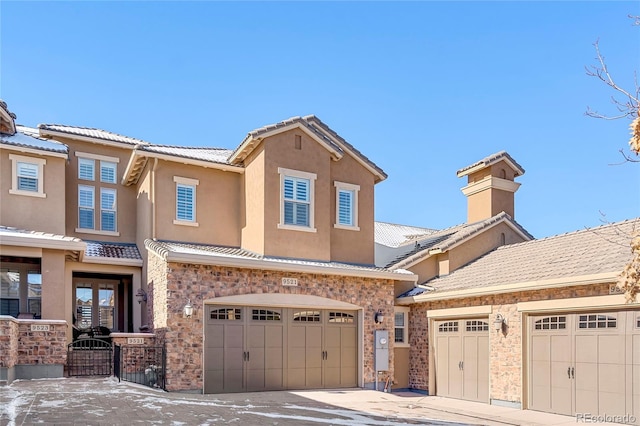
x=311 y=177
x=115 y=172
x=405 y=311
x=114 y=209
x=93 y=207
x=188 y=182
x=39 y=163
x=93 y=169
x=343 y=186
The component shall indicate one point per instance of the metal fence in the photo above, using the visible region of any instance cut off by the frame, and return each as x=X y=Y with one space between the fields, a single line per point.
x=145 y=365
x=90 y=357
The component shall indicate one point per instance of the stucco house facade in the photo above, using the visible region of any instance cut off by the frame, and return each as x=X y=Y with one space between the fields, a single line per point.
x=262 y=268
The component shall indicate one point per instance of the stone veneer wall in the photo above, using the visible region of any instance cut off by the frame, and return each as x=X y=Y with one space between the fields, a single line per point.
x=183 y=336
x=33 y=353
x=505 y=349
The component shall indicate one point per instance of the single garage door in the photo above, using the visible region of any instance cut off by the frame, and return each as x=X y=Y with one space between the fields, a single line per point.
x=585 y=363
x=257 y=348
x=462 y=359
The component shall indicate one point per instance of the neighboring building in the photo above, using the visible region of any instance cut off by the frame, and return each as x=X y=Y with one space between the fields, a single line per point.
x=262 y=268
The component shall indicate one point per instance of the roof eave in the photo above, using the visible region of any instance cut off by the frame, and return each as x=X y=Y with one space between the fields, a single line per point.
x=602 y=278
x=192 y=161
x=30 y=240
x=33 y=150
x=516 y=168
x=48 y=133
x=112 y=261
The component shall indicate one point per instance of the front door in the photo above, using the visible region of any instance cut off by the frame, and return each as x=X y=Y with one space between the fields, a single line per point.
x=95 y=303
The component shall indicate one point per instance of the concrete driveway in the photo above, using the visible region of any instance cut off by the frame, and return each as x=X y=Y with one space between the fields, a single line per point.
x=105 y=401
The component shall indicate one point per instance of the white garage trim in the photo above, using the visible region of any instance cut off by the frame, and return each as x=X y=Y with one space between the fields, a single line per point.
x=282 y=300
x=562 y=305
x=460 y=312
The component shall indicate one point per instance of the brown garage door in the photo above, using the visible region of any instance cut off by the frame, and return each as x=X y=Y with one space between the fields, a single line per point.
x=581 y=363
x=253 y=349
x=462 y=359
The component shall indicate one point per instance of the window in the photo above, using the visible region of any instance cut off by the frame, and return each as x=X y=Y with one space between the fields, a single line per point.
x=476 y=325
x=597 y=321
x=306 y=316
x=20 y=287
x=346 y=206
x=86 y=199
x=108 y=172
x=108 y=209
x=296 y=194
x=551 y=323
x=86 y=168
x=448 y=327
x=185 y=201
x=400 y=325
x=265 y=315
x=27 y=176
x=231 y=314
x=341 y=318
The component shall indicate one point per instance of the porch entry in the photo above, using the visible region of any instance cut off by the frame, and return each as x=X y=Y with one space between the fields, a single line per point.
x=273 y=348
x=102 y=300
x=585 y=363
x=462 y=359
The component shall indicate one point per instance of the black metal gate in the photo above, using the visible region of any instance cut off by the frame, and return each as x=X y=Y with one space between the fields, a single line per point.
x=89 y=357
x=145 y=365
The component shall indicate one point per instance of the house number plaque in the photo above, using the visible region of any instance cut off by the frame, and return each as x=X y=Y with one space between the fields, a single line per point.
x=290 y=282
x=135 y=341
x=39 y=327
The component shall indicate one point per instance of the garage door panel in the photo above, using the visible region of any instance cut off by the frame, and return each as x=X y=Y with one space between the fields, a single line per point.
x=540 y=349
x=442 y=366
x=213 y=381
x=274 y=378
x=215 y=336
x=233 y=380
x=296 y=378
x=609 y=349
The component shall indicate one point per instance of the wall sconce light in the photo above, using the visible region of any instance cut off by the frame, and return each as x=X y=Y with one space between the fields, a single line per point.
x=498 y=322
x=141 y=296
x=378 y=317
x=187 y=311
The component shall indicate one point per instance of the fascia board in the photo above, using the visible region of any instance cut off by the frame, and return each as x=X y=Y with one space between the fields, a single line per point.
x=281 y=266
x=192 y=161
x=606 y=277
x=35 y=151
x=47 y=132
x=380 y=177
x=133 y=159
x=490 y=182
x=26 y=240
x=484 y=166
x=112 y=261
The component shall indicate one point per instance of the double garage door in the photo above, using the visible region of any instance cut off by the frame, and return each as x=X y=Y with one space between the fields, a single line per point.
x=258 y=348
x=585 y=363
x=462 y=359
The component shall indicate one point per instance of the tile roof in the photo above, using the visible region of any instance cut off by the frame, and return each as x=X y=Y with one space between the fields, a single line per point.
x=112 y=250
x=27 y=137
x=604 y=249
x=165 y=247
x=394 y=235
x=447 y=238
x=90 y=132
x=215 y=155
x=492 y=159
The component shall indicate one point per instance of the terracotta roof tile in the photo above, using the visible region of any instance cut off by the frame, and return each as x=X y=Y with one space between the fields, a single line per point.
x=215 y=155
x=90 y=132
x=112 y=250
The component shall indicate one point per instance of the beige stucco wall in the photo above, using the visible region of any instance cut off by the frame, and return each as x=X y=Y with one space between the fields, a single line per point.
x=34 y=213
x=126 y=195
x=53 y=284
x=490 y=202
x=254 y=201
x=506 y=350
x=217 y=205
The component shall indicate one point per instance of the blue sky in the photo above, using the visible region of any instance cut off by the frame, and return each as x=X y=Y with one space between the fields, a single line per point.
x=421 y=88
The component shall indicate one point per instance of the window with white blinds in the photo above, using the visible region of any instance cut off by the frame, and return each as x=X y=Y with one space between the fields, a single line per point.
x=86 y=207
x=108 y=211
x=108 y=172
x=27 y=176
x=346 y=205
x=296 y=201
x=86 y=169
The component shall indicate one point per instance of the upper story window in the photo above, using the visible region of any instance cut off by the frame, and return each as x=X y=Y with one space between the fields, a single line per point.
x=346 y=206
x=86 y=169
x=27 y=176
x=108 y=211
x=296 y=200
x=86 y=207
x=108 y=172
x=185 y=201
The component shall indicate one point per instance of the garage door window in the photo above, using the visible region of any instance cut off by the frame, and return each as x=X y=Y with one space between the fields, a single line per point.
x=448 y=327
x=596 y=321
x=477 y=325
x=265 y=315
x=232 y=314
x=638 y=322
x=340 y=317
x=306 y=316
x=551 y=323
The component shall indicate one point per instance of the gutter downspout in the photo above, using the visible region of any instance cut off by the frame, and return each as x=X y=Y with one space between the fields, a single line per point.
x=153 y=199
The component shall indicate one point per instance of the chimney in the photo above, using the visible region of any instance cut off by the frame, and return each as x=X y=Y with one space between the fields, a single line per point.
x=490 y=186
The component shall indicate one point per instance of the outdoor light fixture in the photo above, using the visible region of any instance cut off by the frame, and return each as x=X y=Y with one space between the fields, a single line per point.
x=378 y=317
x=141 y=296
x=497 y=323
x=188 y=309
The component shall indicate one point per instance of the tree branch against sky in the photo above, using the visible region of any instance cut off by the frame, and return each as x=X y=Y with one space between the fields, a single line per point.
x=626 y=102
